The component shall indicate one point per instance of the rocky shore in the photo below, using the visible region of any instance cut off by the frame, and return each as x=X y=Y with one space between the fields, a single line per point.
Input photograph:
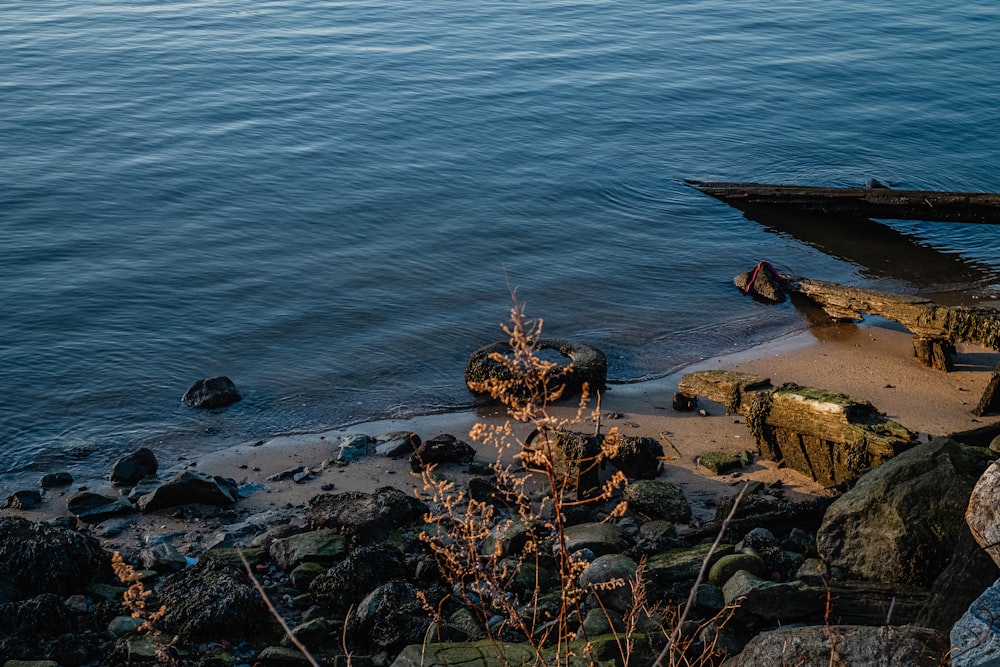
x=893 y=567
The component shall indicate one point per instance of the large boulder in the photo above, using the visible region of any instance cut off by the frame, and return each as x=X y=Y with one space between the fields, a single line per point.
x=901 y=521
x=975 y=638
x=347 y=582
x=212 y=599
x=887 y=646
x=970 y=572
x=38 y=558
x=365 y=517
x=983 y=515
x=389 y=618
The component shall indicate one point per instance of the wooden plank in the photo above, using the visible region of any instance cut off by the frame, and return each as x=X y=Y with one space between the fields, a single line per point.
x=874 y=202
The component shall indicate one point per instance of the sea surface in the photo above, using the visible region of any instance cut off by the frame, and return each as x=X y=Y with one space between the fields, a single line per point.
x=330 y=202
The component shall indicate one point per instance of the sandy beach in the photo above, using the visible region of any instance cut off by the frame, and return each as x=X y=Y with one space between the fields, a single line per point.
x=873 y=361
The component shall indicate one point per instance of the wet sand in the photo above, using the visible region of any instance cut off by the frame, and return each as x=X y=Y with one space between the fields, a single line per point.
x=872 y=362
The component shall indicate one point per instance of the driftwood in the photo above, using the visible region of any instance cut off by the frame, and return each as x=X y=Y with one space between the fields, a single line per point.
x=830 y=437
x=870 y=202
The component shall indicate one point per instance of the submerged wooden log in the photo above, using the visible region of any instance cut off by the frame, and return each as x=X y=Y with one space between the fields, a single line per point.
x=871 y=202
x=830 y=437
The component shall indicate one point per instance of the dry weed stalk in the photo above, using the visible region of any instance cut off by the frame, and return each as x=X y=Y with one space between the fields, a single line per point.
x=134 y=599
x=468 y=543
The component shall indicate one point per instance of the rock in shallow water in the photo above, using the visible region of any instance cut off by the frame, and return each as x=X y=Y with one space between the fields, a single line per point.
x=211 y=393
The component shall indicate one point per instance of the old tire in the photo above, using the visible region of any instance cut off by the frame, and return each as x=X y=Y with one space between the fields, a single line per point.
x=585 y=365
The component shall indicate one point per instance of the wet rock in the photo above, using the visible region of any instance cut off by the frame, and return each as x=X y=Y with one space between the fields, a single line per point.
x=365 y=517
x=38 y=558
x=55 y=480
x=887 y=646
x=44 y=615
x=683 y=564
x=162 y=557
x=444 y=448
x=901 y=521
x=23 y=500
x=282 y=656
x=605 y=570
x=131 y=468
x=773 y=601
x=601 y=538
x=397 y=443
x=656 y=536
x=658 y=500
x=92 y=507
x=122 y=626
x=974 y=638
x=303 y=575
x=638 y=457
x=212 y=599
x=720 y=462
x=315 y=546
x=188 y=487
x=709 y=598
x=211 y=393
x=729 y=565
x=353 y=447
x=390 y=617
x=347 y=582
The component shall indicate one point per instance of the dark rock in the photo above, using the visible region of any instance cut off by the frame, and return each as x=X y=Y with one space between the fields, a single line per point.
x=658 y=500
x=970 y=572
x=683 y=402
x=38 y=558
x=444 y=448
x=55 y=480
x=217 y=392
x=390 y=617
x=44 y=615
x=132 y=468
x=23 y=500
x=638 y=457
x=679 y=565
x=347 y=582
x=187 y=487
x=601 y=538
x=901 y=521
x=303 y=575
x=887 y=646
x=601 y=575
x=729 y=565
x=162 y=557
x=212 y=599
x=974 y=638
x=656 y=536
x=772 y=601
x=365 y=517
x=91 y=507
x=315 y=546
x=398 y=443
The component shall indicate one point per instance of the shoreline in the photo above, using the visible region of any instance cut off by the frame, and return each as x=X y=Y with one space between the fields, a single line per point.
x=872 y=361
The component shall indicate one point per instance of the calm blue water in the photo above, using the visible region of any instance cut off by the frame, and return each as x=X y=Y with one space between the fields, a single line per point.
x=329 y=201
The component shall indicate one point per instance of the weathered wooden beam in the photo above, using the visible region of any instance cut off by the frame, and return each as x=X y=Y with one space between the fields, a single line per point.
x=871 y=202
x=937 y=328
x=830 y=437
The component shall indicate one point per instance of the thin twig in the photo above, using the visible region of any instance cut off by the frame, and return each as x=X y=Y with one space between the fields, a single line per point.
x=701 y=576
x=274 y=612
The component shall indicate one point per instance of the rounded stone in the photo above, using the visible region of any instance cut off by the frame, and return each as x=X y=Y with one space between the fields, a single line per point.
x=727 y=566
